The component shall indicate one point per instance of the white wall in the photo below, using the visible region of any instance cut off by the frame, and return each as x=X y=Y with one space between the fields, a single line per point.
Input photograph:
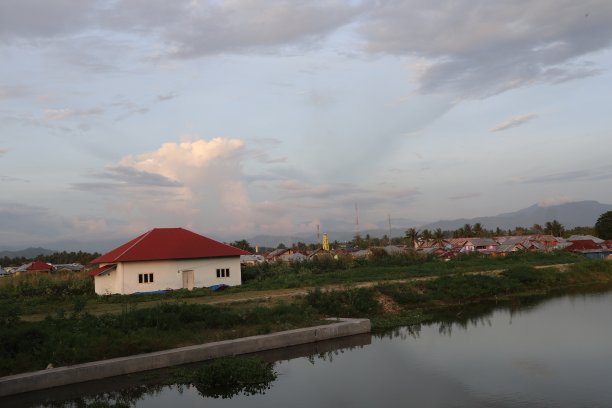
x=167 y=275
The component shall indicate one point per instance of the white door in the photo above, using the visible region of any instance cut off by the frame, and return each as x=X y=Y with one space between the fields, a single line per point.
x=188 y=280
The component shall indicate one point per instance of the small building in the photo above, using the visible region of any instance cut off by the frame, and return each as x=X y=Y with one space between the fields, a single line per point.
x=72 y=267
x=251 y=259
x=166 y=259
x=4 y=273
x=34 y=267
x=589 y=248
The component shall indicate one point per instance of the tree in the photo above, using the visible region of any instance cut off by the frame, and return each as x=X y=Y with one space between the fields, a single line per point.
x=554 y=228
x=603 y=226
x=467 y=230
x=426 y=235
x=243 y=244
x=438 y=237
x=412 y=236
x=478 y=230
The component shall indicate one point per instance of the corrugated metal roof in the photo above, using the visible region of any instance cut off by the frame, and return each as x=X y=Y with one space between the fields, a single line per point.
x=169 y=243
x=102 y=269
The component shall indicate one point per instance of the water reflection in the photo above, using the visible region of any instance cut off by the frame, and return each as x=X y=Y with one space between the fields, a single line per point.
x=541 y=351
x=480 y=315
x=128 y=390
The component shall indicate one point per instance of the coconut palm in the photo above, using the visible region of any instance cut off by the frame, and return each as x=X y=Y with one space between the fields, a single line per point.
x=412 y=236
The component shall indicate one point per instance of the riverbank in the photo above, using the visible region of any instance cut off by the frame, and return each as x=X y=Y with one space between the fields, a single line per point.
x=54 y=377
x=78 y=336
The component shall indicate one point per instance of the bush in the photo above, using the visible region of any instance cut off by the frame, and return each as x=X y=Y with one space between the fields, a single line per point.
x=230 y=376
x=347 y=303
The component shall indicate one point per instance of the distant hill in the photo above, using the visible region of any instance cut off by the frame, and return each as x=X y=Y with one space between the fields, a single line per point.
x=571 y=215
x=26 y=253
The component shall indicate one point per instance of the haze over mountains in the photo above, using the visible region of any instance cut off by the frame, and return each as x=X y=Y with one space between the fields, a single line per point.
x=573 y=214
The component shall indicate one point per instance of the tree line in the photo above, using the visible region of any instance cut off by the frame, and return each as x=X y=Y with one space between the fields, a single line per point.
x=63 y=257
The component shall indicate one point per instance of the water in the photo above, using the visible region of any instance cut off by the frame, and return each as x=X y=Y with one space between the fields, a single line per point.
x=542 y=353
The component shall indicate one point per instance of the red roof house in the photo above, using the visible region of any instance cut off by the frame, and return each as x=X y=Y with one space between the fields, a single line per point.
x=167 y=259
x=34 y=267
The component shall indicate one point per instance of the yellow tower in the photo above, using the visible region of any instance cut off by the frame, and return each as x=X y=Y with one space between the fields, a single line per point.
x=325 y=242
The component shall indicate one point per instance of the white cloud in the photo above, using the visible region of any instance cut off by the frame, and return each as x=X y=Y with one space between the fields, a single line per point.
x=514 y=122
x=195 y=183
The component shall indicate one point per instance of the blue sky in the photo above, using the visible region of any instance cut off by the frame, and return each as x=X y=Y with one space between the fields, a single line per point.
x=234 y=118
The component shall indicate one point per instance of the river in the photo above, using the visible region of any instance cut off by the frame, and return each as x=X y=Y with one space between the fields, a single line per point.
x=554 y=352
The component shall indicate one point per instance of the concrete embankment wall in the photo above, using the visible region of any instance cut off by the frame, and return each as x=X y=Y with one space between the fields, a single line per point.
x=96 y=370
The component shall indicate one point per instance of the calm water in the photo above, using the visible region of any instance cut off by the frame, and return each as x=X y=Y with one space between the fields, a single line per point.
x=552 y=353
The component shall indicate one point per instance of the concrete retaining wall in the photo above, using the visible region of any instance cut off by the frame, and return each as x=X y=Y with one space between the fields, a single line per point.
x=54 y=377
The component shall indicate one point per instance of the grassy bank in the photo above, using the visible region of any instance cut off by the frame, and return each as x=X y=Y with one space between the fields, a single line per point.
x=76 y=336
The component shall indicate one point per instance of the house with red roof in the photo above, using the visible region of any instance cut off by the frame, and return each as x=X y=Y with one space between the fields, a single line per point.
x=589 y=248
x=34 y=267
x=166 y=259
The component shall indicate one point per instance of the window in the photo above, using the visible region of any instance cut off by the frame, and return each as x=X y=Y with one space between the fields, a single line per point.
x=145 y=278
x=223 y=273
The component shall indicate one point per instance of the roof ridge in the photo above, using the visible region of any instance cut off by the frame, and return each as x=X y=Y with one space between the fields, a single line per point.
x=143 y=236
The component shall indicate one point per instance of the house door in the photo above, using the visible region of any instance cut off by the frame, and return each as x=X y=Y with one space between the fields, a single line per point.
x=188 y=280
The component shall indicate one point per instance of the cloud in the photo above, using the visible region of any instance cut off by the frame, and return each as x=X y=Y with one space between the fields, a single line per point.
x=294 y=189
x=194 y=183
x=204 y=28
x=593 y=174
x=464 y=196
x=514 y=122
x=548 y=202
x=477 y=49
x=3 y=152
x=13 y=91
x=39 y=18
x=166 y=97
x=25 y=224
x=63 y=114
x=11 y=179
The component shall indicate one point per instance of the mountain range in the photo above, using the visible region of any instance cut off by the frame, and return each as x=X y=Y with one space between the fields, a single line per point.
x=571 y=215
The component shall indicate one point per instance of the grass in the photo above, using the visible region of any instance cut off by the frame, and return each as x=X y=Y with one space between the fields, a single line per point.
x=65 y=340
x=69 y=334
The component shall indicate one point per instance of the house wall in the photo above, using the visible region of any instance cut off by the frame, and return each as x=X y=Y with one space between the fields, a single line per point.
x=167 y=274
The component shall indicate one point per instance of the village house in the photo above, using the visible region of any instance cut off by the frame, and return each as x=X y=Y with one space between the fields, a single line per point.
x=166 y=259
x=34 y=267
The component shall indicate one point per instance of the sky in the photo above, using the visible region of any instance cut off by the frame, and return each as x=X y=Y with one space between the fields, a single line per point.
x=235 y=118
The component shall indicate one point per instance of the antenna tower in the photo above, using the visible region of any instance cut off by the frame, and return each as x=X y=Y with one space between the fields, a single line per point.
x=356 y=220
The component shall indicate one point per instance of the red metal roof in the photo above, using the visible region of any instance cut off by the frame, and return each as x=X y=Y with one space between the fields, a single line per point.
x=39 y=266
x=102 y=269
x=169 y=243
x=583 y=245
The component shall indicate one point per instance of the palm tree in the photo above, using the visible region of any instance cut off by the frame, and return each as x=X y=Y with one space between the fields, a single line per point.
x=438 y=237
x=426 y=235
x=412 y=235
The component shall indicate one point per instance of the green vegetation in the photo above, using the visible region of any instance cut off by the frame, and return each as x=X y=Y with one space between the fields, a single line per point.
x=70 y=334
x=603 y=226
x=228 y=377
x=55 y=258
x=64 y=340
x=325 y=270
